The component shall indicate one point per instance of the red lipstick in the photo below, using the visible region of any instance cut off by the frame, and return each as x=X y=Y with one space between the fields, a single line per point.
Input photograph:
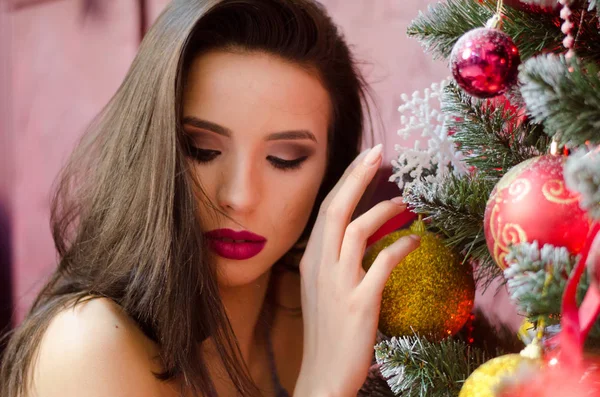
x=238 y=245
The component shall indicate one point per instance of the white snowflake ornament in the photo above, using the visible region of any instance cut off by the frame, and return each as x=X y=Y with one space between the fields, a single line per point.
x=433 y=158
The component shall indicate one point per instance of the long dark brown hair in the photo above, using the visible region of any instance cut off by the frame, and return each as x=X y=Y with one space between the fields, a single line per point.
x=125 y=212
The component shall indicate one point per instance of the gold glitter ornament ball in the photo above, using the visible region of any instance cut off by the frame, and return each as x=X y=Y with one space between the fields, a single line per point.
x=430 y=292
x=489 y=379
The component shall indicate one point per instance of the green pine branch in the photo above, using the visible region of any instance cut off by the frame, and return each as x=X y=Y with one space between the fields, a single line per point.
x=536 y=280
x=582 y=174
x=441 y=26
x=445 y=22
x=455 y=207
x=415 y=367
x=564 y=96
x=492 y=133
x=532 y=32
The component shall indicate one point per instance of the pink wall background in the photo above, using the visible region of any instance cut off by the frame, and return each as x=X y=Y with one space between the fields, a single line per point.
x=64 y=66
x=6 y=157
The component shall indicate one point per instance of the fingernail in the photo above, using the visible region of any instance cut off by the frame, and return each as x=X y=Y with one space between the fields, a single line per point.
x=364 y=152
x=374 y=155
x=398 y=200
x=415 y=237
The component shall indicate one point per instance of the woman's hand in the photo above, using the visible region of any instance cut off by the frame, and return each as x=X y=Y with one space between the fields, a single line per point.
x=593 y=262
x=340 y=302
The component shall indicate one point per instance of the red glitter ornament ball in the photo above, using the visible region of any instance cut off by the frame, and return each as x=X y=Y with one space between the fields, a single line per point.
x=485 y=62
x=531 y=202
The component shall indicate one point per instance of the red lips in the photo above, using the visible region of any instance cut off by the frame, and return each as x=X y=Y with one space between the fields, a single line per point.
x=237 y=245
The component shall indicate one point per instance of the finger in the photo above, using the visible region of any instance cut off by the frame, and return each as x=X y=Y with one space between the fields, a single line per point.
x=359 y=230
x=339 y=183
x=315 y=242
x=377 y=275
x=346 y=198
x=593 y=262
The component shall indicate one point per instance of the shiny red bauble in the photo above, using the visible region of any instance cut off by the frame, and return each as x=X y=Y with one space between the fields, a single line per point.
x=538 y=6
x=485 y=62
x=531 y=202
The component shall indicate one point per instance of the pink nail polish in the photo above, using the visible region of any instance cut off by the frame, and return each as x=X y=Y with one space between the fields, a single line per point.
x=374 y=155
x=415 y=237
x=398 y=200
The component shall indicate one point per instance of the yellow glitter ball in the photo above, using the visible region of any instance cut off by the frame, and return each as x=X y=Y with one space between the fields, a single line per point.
x=488 y=379
x=430 y=292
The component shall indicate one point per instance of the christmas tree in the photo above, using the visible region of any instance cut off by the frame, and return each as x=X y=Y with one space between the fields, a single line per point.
x=506 y=173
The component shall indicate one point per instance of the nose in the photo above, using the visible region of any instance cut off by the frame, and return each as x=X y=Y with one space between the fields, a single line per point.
x=239 y=188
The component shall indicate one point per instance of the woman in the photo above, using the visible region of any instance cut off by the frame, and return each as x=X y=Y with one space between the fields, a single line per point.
x=184 y=210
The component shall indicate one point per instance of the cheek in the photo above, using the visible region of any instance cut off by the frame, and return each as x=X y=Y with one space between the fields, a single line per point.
x=205 y=186
x=297 y=200
x=302 y=208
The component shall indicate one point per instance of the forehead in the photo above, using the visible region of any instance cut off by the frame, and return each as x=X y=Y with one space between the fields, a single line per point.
x=255 y=90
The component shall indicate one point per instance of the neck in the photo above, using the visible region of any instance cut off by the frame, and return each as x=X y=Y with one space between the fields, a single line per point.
x=243 y=305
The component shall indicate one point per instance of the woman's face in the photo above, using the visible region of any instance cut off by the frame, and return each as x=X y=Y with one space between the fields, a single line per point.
x=258 y=126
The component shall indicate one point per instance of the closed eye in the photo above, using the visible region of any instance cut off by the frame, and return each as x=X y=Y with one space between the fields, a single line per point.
x=207 y=155
x=286 y=165
x=202 y=155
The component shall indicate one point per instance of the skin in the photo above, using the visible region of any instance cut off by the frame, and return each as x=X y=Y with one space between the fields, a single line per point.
x=593 y=262
x=96 y=350
x=264 y=95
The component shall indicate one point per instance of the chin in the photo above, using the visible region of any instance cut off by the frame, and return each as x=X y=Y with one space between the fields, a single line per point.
x=232 y=273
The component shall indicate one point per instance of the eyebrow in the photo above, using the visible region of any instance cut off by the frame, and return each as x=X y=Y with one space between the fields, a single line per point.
x=275 y=136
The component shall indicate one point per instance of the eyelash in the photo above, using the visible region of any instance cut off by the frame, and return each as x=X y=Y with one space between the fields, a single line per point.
x=205 y=156
x=286 y=165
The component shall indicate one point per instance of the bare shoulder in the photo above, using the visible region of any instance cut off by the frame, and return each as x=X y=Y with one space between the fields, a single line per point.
x=95 y=349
